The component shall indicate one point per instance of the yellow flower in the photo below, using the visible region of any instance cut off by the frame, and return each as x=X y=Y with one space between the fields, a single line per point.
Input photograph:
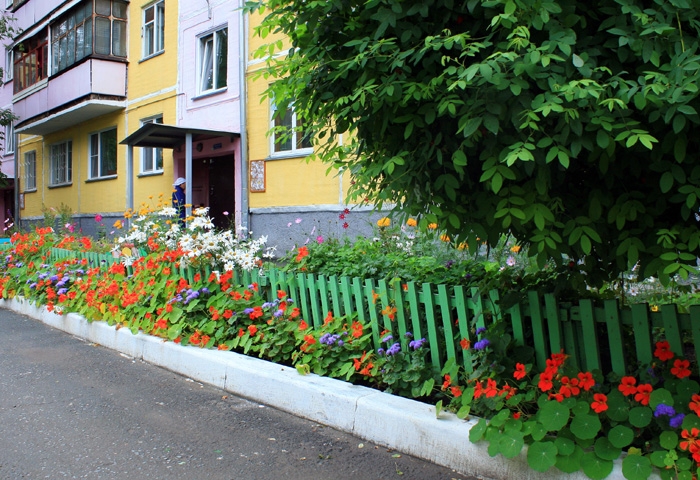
x=463 y=246
x=384 y=222
x=150 y=197
x=118 y=224
x=444 y=237
x=654 y=308
x=411 y=222
x=432 y=226
x=515 y=248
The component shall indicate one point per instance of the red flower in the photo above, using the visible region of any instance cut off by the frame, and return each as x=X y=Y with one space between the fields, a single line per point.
x=241 y=332
x=328 y=319
x=303 y=252
x=447 y=382
x=694 y=404
x=491 y=389
x=545 y=382
x=303 y=325
x=690 y=443
x=680 y=368
x=516 y=415
x=205 y=340
x=252 y=329
x=345 y=225
x=556 y=396
x=478 y=389
x=569 y=386
x=663 y=351
x=464 y=343
x=222 y=346
x=520 y=371
x=643 y=393
x=456 y=391
x=600 y=403
x=281 y=294
x=356 y=328
x=585 y=380
x=628 y=386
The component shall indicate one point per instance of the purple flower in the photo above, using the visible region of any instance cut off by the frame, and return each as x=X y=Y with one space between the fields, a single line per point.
x=663 y=409
x=408 y=335
x=204 y=290
x=248 y=311
x=480 y=330
x=416 y=344
x=62 y=291
x=278 y=313
x=341 y=343
x=394 y=349
x=54 y=278
x=677 y=421
x=380 y=351
x=387 y=339
x=481 y=344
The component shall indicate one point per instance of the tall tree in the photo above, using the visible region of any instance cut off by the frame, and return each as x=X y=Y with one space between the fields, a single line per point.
x=568 y=124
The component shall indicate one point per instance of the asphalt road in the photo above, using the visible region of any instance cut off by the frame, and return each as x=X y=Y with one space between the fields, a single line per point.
x=71 y=409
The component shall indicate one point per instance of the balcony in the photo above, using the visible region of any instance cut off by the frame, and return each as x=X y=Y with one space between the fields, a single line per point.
x=91 y=89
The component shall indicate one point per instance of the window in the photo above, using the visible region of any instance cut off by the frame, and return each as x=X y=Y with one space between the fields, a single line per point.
x=103 y=154
x=8 y=4
x=154 y=29
x=61 y=163
x=31 y=58
x=30 y=170
x=288 y=135
x=9 y=139
x=110 y=27
x=71 y=38
x=152 y=158
x=9 y=64
x=213 y=52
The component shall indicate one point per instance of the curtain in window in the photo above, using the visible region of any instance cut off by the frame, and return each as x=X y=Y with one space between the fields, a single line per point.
x=221 y=57
x=206 y=67
x=119 y=38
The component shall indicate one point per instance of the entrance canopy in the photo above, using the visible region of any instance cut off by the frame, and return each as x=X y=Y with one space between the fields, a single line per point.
x=158 y=135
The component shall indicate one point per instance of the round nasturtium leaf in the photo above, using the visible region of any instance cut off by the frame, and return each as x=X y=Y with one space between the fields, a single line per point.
x=538 y=432
x=685 y=390
x=511 y=444
x=640 y=417
x=541 y=456
x=570 y=463
x=554 y=416
x=684 y=464
x=636 y=466
x=660 y=396
x=595 y=467
x=668 y=440
x=618 y=407
x=605 y=450
x=658 y=458
x=621 y=436
x=564 y=446
x=581 y=408
x=691 y=421
x=477 y=431
x=685 y=476
x=585 y=427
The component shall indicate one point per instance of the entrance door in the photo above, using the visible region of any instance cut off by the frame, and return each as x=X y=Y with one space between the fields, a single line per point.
x=222 y=190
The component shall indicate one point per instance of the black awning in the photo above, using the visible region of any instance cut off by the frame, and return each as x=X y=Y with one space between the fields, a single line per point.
x=158 y=135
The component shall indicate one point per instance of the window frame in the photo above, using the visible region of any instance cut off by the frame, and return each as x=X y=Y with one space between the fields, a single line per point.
x=9 y=4
x=30 y=171
x=297 y=148
x=9 y=64
x=10 y=139
x=98 y=158
x=67 y=178
x=157 y=31
x=30 y=66
x=155 y=152
x=207 y=61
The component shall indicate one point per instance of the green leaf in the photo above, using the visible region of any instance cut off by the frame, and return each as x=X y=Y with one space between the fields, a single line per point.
x=553 y=416
x=541 y=456
x=577 y=61
x=477 y=431
x=668 y=440
x=585 y=426
x=666 y=182
x=570 y=463
x=606 y=450
x=621 y=436
x=636 y=466
x=511 y=444
x=640 y=417
x=595 y=467
x=659 y=396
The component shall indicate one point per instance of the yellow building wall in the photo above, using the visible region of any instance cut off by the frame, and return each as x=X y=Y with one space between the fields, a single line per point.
x=290 y=181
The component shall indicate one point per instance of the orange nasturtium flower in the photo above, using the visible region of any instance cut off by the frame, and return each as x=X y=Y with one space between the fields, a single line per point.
x=680 y=368
x=600 y=403
x=643 y=393
x=411 y=222
x=303 y=252
x=520 y=371
x=663 y=351
x=694 y=404
x=628 y=386
x=465 y=344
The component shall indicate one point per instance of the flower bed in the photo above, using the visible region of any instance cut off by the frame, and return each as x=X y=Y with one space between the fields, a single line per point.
x=572 y=420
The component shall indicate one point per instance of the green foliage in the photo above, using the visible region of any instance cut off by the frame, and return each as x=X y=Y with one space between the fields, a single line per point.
x=567 y=124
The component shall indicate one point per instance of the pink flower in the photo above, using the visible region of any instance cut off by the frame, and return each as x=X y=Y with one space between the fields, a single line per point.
x=319 y=239
x=226 y=213
x=98 y=218
x=297 y=221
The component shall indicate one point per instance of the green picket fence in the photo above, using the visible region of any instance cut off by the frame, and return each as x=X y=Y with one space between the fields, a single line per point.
x=595 y=335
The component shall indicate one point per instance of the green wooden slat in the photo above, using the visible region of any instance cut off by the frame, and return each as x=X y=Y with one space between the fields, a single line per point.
x=642 y=333
x=334 y=289
x=412 y=297
x=478 y=308
x=695 y=327
x=397 y=297
x=445 y=311
x=537 y=322
x=346 y=295
x=427 y=297
x=672 y=332
x=384 y=298
x=569 y=335
x=516 y=320
x=617 y=353
x=324 y=294
x=313 y=300
x=463 y=324
x=591 y=357
x=553 y=326
x=358 y=296
x=494 y=302
x=303 y=302
x=370 y=288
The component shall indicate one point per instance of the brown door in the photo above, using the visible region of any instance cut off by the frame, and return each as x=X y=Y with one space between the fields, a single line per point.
x=222 y=190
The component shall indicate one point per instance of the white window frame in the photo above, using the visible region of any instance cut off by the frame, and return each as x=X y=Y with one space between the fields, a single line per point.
x=30 y=171
x=61 y=163
x=9 y=139
x=8 y=4
x=207 y=46
x=150 y=154
x=97 y=156
x=153 y=31
x=9 y=64
x=296 y=149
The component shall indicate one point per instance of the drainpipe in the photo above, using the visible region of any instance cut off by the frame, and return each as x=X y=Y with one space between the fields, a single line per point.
x=16 y=162
x=243 y=61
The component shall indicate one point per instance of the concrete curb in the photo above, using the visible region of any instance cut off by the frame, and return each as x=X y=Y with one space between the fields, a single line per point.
x=395 y=422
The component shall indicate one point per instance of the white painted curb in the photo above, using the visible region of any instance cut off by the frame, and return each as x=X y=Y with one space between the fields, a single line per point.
x=395 y=422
